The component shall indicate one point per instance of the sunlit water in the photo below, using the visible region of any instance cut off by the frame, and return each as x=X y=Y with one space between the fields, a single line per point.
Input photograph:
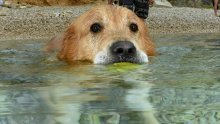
x=180 y=85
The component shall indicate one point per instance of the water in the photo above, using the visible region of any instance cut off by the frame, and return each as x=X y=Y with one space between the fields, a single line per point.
x=181 y=85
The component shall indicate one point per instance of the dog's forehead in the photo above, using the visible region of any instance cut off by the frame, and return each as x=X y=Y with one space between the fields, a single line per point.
x=107 y=13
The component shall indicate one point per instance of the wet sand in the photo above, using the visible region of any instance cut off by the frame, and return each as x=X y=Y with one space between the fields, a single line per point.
x=45 y=22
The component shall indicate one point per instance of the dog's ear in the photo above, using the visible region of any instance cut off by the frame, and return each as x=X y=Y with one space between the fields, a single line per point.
x=65 y=44
x=68 y=49
x=149 y=46
x=54 y=44
x=147 y=42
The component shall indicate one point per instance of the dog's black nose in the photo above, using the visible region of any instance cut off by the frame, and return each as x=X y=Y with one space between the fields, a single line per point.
x=123 y=50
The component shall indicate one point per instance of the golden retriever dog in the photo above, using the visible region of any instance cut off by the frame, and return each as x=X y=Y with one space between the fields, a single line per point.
x=103 y=35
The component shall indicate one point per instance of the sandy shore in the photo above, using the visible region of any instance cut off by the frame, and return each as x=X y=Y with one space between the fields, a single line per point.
x=45 y=22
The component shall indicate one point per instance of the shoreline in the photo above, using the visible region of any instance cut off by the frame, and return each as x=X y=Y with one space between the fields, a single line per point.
x=46 y=22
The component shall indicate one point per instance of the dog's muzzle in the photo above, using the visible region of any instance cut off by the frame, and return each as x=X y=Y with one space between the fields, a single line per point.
x=123 y=51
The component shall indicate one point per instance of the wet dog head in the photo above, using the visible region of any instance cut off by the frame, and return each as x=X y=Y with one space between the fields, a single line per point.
x=106 y=34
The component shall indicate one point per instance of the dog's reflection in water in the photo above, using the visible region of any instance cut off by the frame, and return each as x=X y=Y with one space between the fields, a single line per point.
x=83 y=103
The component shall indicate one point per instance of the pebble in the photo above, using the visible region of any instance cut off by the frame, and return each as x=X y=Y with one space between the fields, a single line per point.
x=4 y=11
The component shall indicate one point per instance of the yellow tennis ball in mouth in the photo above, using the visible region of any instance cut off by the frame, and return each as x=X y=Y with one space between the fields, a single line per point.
x=123 y=66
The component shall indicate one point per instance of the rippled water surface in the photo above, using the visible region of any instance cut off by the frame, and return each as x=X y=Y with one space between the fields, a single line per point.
x=180 y=85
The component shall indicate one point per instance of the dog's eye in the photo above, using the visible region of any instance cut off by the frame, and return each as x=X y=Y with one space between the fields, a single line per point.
x=133 y=27
x=95 y=28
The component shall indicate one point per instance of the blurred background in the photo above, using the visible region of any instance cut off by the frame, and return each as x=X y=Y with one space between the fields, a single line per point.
x=191 y=3
x=179 y=3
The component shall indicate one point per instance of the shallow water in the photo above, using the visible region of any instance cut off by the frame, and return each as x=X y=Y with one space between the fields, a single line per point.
x=180 y=85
